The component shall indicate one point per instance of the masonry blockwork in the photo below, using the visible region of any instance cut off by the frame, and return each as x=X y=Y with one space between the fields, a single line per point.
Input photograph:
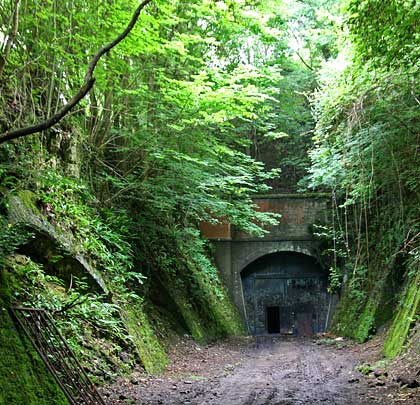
x=286 y=293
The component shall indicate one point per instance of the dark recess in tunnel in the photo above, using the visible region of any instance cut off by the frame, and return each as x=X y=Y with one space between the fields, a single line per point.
x=273 y=319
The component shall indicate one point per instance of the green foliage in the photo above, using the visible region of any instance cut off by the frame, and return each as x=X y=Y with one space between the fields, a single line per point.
x=85 y=318
x=68 y=203
x=333 y=253
x=366 y=152
x=385 y=32
x=11 y=237
x=365 y=368
x=335 y=279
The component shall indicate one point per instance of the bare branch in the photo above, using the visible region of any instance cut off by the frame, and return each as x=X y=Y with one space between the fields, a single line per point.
x=87 y=85
x=303 y=61
x=298 y=54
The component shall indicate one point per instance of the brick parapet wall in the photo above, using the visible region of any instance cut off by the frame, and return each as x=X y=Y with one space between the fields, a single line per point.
x=297 y=216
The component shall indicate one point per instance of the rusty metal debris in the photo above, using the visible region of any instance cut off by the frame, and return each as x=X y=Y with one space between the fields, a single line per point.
x=40 y=328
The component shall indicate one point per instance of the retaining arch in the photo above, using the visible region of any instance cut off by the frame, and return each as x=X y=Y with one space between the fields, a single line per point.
x=233 y=251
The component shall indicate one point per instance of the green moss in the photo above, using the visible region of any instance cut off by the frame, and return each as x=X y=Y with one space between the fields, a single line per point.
x=366 y=323
x=203 y=303
x=354 y=319
x=357 y=325
x=223 y=318
x=190 y=318
x=368 y=301
x=28 y=199
x=404 y=318
x=24 y=377
x=347 y=315
x=190 y=287
x=149 y=349
x=372 y=298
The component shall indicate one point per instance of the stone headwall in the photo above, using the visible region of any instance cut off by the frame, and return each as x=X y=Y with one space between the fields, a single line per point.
x=234 y=250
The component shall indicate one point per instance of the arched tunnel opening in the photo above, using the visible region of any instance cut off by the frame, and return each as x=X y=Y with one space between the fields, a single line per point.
x=286 y=293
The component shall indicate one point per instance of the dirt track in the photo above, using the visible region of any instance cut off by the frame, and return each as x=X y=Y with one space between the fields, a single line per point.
x=289 y=372
x=254 y=372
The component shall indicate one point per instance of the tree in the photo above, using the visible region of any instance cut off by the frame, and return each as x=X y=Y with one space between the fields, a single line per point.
x=88 y=83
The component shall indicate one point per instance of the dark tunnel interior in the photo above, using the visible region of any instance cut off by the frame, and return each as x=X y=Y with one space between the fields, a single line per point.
x=286 y=293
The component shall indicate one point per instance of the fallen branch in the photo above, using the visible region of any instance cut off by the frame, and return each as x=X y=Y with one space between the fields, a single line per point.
x=87 y=85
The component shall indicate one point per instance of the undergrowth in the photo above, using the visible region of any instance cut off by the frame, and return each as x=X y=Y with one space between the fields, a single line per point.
x=100 y=328
x=91 y=325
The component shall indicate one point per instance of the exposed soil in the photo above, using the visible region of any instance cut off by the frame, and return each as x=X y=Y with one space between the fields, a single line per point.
x=265 y=370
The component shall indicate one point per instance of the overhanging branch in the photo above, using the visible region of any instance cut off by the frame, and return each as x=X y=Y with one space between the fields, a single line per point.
x=87 y=85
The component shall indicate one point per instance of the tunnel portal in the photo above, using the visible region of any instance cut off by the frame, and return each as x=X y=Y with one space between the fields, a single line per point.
x=285 y=293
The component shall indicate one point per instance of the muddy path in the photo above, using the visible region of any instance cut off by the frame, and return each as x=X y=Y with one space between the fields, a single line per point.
x=255 y=371
x=289 y=372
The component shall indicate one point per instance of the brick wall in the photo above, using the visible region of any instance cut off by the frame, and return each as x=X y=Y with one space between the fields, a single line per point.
x=297 y=215
x=218 y=231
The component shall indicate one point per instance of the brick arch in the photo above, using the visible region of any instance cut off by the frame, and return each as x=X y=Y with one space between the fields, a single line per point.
x=234 y=250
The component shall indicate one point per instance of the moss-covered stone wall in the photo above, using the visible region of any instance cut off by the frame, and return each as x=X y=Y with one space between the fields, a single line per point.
x=364 y=306
x=148 y=347
x=407 y=315
x=23 y=375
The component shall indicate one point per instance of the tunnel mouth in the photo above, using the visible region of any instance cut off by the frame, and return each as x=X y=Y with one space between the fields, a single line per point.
x=286 y=293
